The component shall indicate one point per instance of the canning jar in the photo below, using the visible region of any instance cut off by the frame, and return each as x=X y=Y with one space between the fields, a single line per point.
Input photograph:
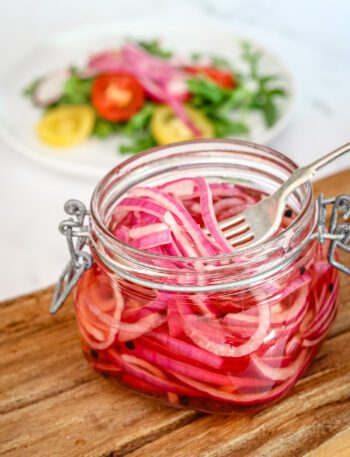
x=212 y=333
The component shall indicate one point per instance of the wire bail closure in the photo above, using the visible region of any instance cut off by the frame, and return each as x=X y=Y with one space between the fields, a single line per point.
x=77 y=234
x=338 y=231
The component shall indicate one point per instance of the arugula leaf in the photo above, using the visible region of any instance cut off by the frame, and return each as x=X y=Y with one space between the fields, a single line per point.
x=238 y=99
x=224 y=126
x=138 y=131
x=264 y=97
x=221 y=63
x=215 y=61
x=211 y=97
x=278 y=91
x=154 y=48
x=137 y=128
x=139 y=144
x=195 y=57
x=103 y=129
x=218 y=103
x=252 y=58
x=77 y=91
x=206 y=91
x=140 y=120
x=29 y=91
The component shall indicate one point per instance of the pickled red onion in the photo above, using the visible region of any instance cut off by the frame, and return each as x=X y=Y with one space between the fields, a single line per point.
x=242 y=350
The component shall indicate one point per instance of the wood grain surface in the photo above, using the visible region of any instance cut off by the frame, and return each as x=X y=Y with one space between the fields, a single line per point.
x=53 y=404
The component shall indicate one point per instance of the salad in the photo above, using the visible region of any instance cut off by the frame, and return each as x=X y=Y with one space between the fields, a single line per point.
x=153 y=97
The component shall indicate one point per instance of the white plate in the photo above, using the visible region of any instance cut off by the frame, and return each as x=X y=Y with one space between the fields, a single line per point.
x=95 y=157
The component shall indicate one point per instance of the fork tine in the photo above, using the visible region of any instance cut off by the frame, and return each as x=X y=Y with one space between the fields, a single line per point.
x=232 y=221
x=241 y=239
x=236 y=230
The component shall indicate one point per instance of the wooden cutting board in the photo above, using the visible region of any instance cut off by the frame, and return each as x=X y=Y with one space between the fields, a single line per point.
x=53 y=404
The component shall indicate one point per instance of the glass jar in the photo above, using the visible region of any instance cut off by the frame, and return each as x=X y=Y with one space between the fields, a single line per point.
x=208 y=333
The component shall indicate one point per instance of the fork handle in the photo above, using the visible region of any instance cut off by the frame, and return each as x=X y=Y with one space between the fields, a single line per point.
x=303 y=174
x=319 y=163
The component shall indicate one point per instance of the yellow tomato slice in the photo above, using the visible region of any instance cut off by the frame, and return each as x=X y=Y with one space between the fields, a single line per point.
x=66 y=126
x=167 y=128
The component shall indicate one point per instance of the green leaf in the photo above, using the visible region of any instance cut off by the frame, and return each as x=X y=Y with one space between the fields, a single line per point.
x=154 y=48
x=254 y=91
x=206 y=90
x=218 y=104
x=263 y=97
x=251 y=57
x=221 y=63
x=30 y=90
x=270 y=112
x=138 y=144
x=277 y=92
x=140 y=120
x=239 y=98
x=77 y=91
x=195 y=56
x=216 y=61
x=267 y=79
x=226 y=127
x=104 y=129
x=138 y=131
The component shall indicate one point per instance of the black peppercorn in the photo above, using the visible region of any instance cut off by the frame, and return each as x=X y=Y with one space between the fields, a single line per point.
x=221 y=315
x=184 y=400
x=302 y=270
x=331 y=287
x=288 y=213
x=94 y=353
x=130 y=345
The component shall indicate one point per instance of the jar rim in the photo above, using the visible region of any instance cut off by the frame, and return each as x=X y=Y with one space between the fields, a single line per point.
x=102 y=227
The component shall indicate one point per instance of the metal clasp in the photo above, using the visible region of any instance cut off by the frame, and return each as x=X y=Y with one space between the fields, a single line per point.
x=338 y=231
x=77 y=234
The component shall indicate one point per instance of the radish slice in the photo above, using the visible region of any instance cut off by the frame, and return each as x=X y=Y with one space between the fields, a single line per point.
x=51 y=88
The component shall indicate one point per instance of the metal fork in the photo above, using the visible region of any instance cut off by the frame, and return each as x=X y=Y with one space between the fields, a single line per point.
x=260 y=221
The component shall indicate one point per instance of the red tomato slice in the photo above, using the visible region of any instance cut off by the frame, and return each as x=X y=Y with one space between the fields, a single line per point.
x=117 y=96
x=222 y=78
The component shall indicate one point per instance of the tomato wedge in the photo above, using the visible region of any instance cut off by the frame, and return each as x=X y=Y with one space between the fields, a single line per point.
x=222 y=78
x=117 y=96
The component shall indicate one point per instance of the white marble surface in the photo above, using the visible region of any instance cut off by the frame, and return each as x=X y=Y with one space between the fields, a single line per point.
x=313 y=37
